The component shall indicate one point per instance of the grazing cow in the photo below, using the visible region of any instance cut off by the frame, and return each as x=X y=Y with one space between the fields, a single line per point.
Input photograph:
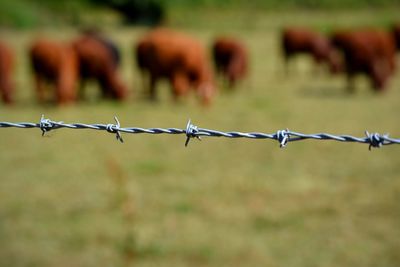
x=109 y=44
x=230 y=59
x=6 y=71
x=57 y=64
x=97 y=61
x=369 y=52
x=181 y=60
x=303 y=41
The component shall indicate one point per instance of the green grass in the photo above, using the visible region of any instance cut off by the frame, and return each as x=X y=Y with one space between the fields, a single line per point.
x=33 y=14
x=79 y=198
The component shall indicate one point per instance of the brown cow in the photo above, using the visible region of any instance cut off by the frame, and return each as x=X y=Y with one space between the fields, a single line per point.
x=369 y=52
x=57 y=64
x=97 y=61
x=230 y=59
x=6 y=71
x=181 y=60
x=304 y=41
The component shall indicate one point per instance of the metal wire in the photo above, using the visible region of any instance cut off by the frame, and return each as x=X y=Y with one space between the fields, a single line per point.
x=282 y=136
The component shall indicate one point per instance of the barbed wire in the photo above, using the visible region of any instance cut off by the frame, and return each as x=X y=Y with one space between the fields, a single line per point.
x=282 y=136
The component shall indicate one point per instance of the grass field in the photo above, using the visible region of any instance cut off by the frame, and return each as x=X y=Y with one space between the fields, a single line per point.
x=79 y=198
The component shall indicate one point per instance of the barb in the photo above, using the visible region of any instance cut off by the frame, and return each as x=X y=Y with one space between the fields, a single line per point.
x=191 y=132
x=283 y=137
x=112 y=128
x=374 y=140
x=45 y=125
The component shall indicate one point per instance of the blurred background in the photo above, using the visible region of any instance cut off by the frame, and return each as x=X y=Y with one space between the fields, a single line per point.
x=80 y=198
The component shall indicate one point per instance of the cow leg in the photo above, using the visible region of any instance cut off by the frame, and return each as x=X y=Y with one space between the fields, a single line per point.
x=152 y=88
x=180 y=84
x=8 y=94
x=81 y=92
x=223 y=78
x=6 y=88
x=106 y=85
x=66 y=83
x=103 y=83
x=145 y=81
x=233 y=72
x=63 y=94
x=6 y=84
x=231 y=82
x=231 y=78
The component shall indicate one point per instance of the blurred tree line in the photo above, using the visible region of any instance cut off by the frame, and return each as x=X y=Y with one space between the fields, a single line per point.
x=31 y=13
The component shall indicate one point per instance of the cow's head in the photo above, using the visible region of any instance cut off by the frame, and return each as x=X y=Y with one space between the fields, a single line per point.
x=336 y=62
x=206 y=92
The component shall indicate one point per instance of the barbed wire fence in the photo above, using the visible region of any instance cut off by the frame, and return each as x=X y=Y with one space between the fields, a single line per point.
x=282 y=136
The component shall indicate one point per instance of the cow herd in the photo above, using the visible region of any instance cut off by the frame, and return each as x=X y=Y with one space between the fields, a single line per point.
x=61 y=69
x=371 y=52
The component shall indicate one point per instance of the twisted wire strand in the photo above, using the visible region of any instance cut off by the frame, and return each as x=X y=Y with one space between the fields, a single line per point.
x=282 y=136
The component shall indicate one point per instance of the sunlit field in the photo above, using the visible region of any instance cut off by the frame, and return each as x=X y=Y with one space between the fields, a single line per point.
x=80 y=198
